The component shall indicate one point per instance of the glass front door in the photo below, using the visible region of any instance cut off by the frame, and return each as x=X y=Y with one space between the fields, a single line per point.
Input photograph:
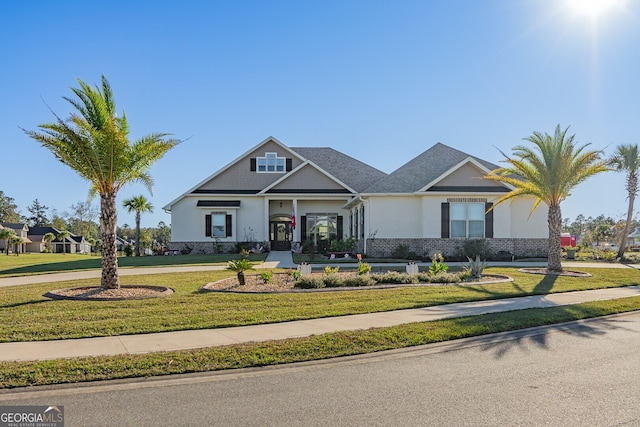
x=280 y=235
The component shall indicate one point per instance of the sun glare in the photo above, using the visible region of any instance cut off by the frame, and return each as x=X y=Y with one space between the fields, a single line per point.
x=593 y=8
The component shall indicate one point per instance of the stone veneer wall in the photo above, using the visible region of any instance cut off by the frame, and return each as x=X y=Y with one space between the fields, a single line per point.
x=519 y=248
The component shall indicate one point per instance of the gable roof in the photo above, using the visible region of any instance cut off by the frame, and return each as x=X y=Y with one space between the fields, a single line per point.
x=424 y=170
x=353 y=173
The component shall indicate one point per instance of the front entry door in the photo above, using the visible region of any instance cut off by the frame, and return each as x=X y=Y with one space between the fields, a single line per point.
x=280 y=232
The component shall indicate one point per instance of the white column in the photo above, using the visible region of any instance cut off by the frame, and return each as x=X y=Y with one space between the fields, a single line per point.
x=266 y=220
x=296 y=233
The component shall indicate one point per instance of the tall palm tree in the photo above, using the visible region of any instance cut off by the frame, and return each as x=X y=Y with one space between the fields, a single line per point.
x=547 y=173
x=137 y=204
x=62 y=236
x=94 y=142
x=627 y=159
x=48 y=238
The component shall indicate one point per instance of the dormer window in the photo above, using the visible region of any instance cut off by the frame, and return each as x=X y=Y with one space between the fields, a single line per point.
x=271 y=163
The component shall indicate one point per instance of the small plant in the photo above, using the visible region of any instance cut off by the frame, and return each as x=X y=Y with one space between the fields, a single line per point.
x=476 y=267
x=295 y=274
x=240 y=266
x=363 y=268
x=438 y=265
x=244 y=253
x=331 y=270
x=266 y=276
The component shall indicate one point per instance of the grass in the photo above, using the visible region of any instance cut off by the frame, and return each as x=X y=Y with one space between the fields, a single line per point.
x=27 y=264
x=21 y=374
x=25 y=315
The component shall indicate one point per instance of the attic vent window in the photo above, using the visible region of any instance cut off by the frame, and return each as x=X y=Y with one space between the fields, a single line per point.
x=271 y=163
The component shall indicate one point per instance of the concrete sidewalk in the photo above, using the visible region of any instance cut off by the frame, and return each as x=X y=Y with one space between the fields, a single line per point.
x=183 y=340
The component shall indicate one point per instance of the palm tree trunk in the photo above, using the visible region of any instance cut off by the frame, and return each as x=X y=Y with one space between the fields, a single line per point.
x=108 y=220
x=554 y=219
x=137 y=233
x=632 y=188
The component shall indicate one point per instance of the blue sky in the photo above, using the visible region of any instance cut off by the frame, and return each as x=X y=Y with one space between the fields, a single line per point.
x=380 y=81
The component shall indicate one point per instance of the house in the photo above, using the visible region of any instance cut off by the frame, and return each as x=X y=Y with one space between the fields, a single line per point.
x=22 y=231
x=280 y=195
x=70 y=244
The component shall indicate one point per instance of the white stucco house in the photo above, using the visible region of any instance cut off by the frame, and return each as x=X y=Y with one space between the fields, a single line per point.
x=278 y=195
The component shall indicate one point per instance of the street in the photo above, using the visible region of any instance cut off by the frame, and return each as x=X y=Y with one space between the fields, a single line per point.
x=580 y=374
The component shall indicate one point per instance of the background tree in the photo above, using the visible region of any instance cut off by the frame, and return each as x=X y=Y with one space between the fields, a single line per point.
x=38 y=213
x=138 y=204
x=162 y=234
x=8 y=209
x=548 y=173
x=15 y=242
x=94 y=142
x=81 y=219
x=6 y=234
x=58 y=222
x=62 y=236
x=627 y=159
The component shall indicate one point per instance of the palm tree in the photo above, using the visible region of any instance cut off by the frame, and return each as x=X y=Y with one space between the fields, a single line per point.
x=627 y=159
x=6 y=234
x=94 y=142
x=62 y=236
x=240 y=266
x=48 y=238
x=548 y=173
x=138 y=204
x=16 y=241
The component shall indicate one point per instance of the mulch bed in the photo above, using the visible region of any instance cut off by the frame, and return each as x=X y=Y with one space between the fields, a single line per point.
x=125 y=292
x=542 y=270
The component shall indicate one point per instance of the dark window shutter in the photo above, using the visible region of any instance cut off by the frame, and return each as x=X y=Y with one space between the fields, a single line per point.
x=253 y=164
x=340 y=228
x=488 y=221
x=289 y=165
x=303 y=228
x=227 y=225
x=444 y=215
x=207 y=225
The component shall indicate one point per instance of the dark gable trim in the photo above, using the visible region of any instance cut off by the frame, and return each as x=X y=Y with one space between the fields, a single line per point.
x=463 y=189
x=219 y=203
x=310 y=191
x=225 y=191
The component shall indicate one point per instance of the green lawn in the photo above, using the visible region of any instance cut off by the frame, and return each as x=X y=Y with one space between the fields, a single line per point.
x=26 y=315
x=26 y=264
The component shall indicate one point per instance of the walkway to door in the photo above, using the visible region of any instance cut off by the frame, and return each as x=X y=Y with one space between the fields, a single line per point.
x=280 y=259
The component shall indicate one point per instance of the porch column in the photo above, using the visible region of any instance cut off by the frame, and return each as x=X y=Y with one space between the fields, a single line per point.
x=266 y=237
x=296 y=232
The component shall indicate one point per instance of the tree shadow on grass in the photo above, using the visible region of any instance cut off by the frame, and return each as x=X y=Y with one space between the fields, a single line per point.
x=23 y=303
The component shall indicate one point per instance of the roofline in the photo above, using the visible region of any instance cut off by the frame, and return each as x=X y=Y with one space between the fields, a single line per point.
x=305 y=163
x=167 y=207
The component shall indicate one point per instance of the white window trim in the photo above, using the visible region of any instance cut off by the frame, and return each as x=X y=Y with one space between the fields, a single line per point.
x=275 y=157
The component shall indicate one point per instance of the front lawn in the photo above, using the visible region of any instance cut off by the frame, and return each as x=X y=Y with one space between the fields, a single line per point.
x=26 y=264
x=26 y=315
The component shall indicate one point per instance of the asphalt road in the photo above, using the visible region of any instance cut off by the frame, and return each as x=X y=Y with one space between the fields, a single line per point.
x=579 y=374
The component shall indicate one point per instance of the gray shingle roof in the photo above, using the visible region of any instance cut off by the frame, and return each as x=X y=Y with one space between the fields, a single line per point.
x=422 y=170
x=352 y=172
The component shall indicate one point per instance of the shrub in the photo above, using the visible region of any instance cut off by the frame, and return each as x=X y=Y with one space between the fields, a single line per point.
x=128 y=250
x=400 y=252
x=446 y=278
x=363 y=268
x=331 y=270
x=333 y=281
x=295 y=274
x=309 y=283
x=438 y=265
x=396 y=278
x=356 y=281
x=266 y=276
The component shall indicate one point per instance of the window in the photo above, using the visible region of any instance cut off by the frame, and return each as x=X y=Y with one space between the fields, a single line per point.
x=467 y=219
x=271 y=163
x=218 y=225
x=322 y=226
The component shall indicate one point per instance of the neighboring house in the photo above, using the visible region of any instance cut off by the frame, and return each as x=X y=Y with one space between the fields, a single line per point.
x=277 y=194
x=22 y=230
x=71 y=244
